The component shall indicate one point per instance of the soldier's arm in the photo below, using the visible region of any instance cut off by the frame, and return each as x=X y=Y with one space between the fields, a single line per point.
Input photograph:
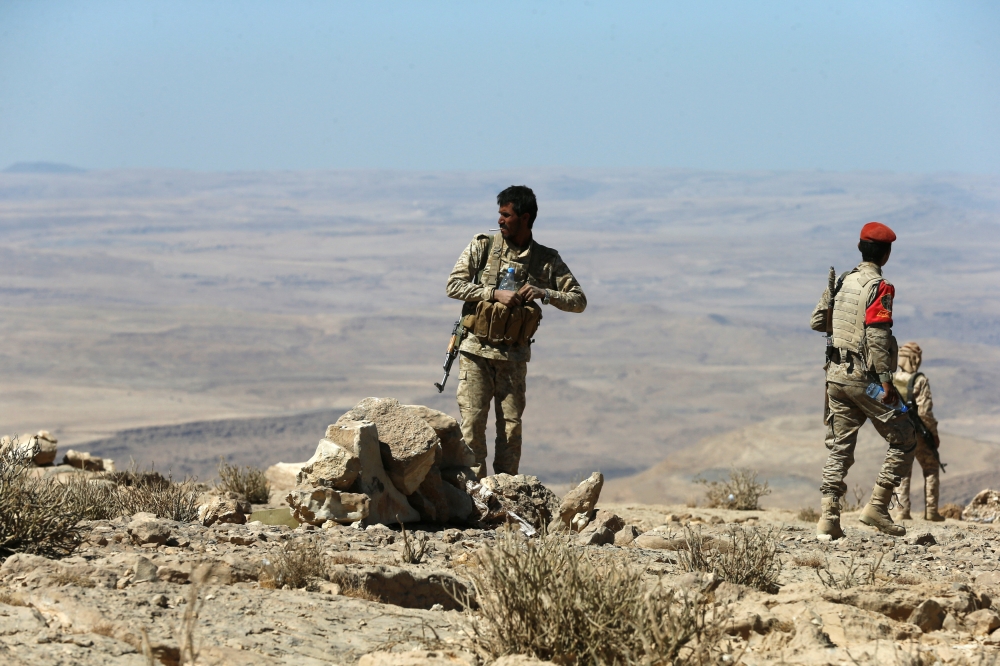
x=565 y=293
x=925 y=405
x=881 y=346
x=462 y=280
x=818 y=320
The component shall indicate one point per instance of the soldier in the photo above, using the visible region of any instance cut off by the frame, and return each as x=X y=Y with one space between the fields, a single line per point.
x=863 y=356
x=916 y=392
x=500 y=322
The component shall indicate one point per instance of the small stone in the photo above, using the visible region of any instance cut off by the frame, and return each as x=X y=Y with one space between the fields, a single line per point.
x=85 y=461
x=983 y=622
x=627 y=535
x=158 y=600
x=984 y=507
x=581 y=499
x=929 y=616
x=172 y=575
x=655 y=542
x=231 y=508
x=923 y=539
x=579 y=522
x=145 y=571
x=599 y=537
x=612 y=521
x=318 y=505
x=146 y=528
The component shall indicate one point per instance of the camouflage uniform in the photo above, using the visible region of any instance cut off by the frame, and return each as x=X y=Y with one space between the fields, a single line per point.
x=910 y=356
x=867 y=357
x=496 y=372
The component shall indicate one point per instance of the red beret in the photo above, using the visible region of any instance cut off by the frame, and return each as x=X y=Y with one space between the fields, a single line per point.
x=876 y=231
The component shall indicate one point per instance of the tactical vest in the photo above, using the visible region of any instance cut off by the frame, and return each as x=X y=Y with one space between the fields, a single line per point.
x=849 y=307
x=496 y=323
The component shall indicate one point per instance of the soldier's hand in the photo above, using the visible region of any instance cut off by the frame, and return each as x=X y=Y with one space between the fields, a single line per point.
x=889 y=395
x=509 y=298
x=530 y=292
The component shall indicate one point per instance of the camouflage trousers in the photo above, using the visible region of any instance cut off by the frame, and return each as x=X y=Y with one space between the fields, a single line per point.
x=929 y=466
x=480 y=382
x=847 y=410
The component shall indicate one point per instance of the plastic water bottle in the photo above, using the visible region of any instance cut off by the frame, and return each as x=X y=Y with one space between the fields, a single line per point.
x=875 y=391
x=508 y=282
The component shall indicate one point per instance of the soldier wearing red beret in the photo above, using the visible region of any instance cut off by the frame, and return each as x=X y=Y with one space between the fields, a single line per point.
x=857 y=317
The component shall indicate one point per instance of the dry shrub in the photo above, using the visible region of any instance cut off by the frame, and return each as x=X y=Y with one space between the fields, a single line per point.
x=68 y=577
x=247 y=481
x=130 y=492
x=741 y=492
x=808 y=515
x=863 y=571
x=9 y=598
x=544 y=598
x=36 y=515
x=859 y=501
x=296 y=565
x=953 y=511
x=812 y=561
x=749 y=556
x=414 y=548
x=908 y=579
x=353 y=589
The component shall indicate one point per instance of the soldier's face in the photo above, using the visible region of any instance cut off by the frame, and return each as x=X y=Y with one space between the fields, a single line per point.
x=513 y=226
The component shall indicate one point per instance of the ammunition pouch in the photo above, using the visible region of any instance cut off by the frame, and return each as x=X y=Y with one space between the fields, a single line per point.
x=496 y=323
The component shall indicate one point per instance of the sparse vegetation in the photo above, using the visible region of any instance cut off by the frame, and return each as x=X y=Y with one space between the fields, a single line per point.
x=859 y=501
x=812 y=561
x=36 y=515
x=808 y=515
x=131 y=492
x=412 y=554
x=68 y=577
x=545 y=598
x=856 y=571
x=247 y=481
x=748 y=557
x=296 y=565
x=741 y=491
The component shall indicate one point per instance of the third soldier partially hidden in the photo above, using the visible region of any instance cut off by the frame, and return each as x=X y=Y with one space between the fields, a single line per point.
x=916 y=393
x=501 y=322
x=859 y=385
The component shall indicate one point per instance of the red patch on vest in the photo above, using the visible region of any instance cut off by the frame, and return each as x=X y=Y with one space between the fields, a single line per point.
x=880 y=311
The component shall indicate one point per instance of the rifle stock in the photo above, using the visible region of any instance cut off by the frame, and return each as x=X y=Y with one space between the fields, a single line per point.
x=457 y=333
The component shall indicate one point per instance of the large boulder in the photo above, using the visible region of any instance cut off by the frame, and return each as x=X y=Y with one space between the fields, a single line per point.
x=317 y=505
x=454 y=451
x=283 y=476
x=407 y=445
x=460 y=506
x=580 y=500
x=514 y=498
x=430 y=499
x=984 y=507
x=386 y=502
x=332 y=466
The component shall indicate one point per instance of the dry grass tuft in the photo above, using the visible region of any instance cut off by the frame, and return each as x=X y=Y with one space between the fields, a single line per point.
x=414 y=549
x=748 y=557
x=355 y=590
x=36 y=515
x=808 y=515
x=846 y=506
x=953 y=511
x=64 y=577
x=296 y=565
x=543 y=597
x=129 y=492
x=741 y=492
x=812 y=561
x=907 y=579
x=864 y=571
x=9 y=598
x=248 y=481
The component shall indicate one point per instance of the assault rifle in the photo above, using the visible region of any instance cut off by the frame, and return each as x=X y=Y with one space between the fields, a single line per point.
x=831 y=287
x=918 y=424
x=457 y=333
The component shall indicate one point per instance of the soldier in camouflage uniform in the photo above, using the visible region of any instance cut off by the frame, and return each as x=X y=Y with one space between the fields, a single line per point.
x=864 y=354
x=493 y=363
x=909 y=381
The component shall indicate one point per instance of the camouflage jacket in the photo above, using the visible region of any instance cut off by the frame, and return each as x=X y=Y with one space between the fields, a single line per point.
x=545 y=269
x=921 y=396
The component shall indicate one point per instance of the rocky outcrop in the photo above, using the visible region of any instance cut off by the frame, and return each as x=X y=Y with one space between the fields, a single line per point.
x=580 y=500
x=984 y=507
x=332 y=466
x=317 y=505
x=406 y=587
x=87 y=462
x=386 y=502
x=408 y=446
x=283 y=476
x=506 y=498
x=454 y=451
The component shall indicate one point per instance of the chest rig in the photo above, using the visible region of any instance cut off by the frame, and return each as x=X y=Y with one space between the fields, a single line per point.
x=495 y=323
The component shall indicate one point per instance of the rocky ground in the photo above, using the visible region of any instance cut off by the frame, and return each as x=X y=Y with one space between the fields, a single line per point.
x=119 y=600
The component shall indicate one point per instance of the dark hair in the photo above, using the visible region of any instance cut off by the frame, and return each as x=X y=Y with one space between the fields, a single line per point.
x=873 y=251
x=522 y=199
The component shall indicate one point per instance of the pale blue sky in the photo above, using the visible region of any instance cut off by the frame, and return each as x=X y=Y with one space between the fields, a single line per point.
x=903 y=86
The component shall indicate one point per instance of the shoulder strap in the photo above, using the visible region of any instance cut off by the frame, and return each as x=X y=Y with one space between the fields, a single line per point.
x=484 y=260
x=495 y=249
x=909 y=387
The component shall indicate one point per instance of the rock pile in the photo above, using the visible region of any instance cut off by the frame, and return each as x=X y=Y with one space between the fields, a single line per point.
x=41 y=448
x=383 y=462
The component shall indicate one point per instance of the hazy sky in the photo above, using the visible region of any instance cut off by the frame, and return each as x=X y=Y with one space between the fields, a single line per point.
x=904 y=86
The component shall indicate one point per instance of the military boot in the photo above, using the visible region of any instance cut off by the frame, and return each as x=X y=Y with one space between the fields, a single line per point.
x=828 y=527
x=876 y=513
x=904 y=500
x=932 y=488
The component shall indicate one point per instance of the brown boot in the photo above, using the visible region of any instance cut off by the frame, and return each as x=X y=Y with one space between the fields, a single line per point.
x=932 y=489
x=828 y=527
x=903 y=493
x=876 y=513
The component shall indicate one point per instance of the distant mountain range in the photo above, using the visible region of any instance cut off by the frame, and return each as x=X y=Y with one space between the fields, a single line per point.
x=42 y=167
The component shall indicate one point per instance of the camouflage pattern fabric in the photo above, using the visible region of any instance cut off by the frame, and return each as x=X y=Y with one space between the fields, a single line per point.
x=480 y=382
x=849 y=408
x=544 y=268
